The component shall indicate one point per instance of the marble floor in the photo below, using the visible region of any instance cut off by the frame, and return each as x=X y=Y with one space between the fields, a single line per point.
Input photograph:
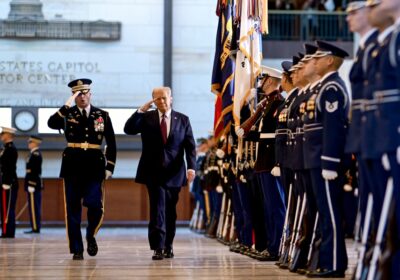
x=124 y=254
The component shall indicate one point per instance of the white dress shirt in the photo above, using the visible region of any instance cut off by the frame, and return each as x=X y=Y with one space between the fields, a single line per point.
x=87 y=109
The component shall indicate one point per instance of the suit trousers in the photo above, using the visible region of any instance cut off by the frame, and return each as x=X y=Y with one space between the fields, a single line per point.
x=162 y=225
x=92 y=193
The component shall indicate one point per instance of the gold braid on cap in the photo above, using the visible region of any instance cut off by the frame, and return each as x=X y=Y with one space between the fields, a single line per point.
x=81 y=86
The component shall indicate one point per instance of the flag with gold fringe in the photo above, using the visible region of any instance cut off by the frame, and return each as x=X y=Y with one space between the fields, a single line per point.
x=223 y=70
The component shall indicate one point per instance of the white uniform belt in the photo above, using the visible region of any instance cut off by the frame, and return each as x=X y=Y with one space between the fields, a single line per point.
x=282 y=131
x=387 y=96
x=84 y=146
x=313 y=126
x=267 y=135
x=299 y=130
x=385 y=93
x=358 y=104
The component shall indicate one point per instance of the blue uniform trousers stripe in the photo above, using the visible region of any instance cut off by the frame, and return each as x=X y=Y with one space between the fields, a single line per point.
x=328 y=195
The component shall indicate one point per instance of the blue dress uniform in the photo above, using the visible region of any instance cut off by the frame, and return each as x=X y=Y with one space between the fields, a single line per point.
x=8 y=200
x=387 y=97
x=325 y=128
x=354 y=138
x=33 y=178
x=282 y=136
x=83 y=166
x=375 y=174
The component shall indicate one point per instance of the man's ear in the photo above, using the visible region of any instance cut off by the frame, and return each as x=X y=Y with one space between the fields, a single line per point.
x=331 y=60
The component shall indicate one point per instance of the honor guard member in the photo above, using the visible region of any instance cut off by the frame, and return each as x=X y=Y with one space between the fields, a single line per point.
x=302 y=182
x=33 y=183
x=273 y=197
x=387 y=96
x=282 y=133
x=84 y=167
x=9 y=181
x=377 y=176
x=325 y=128
x=357 y=19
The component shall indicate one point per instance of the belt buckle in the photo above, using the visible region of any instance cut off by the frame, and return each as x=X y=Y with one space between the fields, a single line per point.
x=85 y=145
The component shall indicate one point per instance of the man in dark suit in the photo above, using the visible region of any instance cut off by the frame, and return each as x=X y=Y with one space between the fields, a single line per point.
x=84 y=167
x=33 y=183
x=166 y=138
x=9 y=182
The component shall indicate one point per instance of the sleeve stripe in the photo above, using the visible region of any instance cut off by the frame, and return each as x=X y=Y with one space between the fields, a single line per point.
x=330 y=159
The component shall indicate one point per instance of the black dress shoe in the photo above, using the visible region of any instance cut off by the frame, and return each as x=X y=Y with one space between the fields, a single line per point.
x=7 y=236
x=92 y=248
x=31 y=231
x=168 y=253
x=158 y=255
x=325 y=273
x=302 y=271
x=77 y=256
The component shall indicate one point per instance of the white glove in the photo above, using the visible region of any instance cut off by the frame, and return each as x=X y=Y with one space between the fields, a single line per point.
x=220 y=153
x=108 y=174
x=190 y=174
x=219 y=189
x=68 y=103
x=252 y=95
x=347 y=188
x=276 y=171
x=329 y=5
x=6 y=187
x=398 y=155
x=329 y=174
x=31 y=189
x=385 y=162
x=239 y=131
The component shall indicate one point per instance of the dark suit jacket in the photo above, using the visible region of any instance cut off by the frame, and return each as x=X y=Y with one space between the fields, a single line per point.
x=163 y=165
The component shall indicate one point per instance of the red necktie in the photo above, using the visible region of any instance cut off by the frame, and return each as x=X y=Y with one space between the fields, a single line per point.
x=164 y=129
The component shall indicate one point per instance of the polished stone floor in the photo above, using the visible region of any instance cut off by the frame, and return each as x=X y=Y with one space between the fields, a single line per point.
x=124 y=254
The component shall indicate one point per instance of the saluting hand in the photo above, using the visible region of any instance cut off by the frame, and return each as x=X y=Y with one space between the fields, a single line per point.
x=146 y=106
x=68 y=103
x=108 y=174
x=190 y=175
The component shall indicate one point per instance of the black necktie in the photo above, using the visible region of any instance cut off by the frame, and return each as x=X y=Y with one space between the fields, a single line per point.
x=164 y=129
x=84 y=115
